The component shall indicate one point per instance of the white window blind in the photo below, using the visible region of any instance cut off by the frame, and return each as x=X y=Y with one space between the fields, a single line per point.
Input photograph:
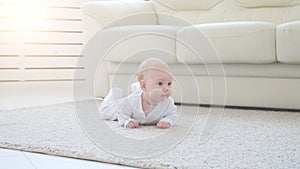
x=40 y=42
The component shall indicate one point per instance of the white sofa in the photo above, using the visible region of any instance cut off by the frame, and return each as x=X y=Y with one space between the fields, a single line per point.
x=222 y=52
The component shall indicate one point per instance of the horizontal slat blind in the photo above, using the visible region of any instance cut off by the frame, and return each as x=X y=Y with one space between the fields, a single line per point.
x=40 y=41
x=49 y=3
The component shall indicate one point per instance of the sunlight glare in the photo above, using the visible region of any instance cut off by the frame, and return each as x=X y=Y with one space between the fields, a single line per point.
x=25 y=11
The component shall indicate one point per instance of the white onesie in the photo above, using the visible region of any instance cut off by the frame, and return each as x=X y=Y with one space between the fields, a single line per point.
x=125 y=109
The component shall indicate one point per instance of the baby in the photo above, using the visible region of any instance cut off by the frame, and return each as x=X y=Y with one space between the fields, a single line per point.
x=150 y=101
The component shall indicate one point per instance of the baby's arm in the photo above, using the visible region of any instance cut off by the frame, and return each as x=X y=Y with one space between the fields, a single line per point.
x=125 y=120
x=125 y=115
x=170 y=118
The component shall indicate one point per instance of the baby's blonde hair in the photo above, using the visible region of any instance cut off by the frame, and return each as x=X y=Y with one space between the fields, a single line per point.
x=152 y=63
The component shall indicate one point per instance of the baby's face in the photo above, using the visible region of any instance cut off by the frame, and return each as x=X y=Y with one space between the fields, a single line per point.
x=158 y=85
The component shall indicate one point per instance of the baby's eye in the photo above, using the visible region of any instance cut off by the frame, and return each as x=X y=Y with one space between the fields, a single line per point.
x=160 y=83
x=170 y=84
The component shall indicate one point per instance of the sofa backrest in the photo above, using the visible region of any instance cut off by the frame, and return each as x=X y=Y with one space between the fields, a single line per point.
x=207 y=11
x=117 y=13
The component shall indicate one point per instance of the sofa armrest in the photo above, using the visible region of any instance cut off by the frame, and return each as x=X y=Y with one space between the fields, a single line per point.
x=119 y=13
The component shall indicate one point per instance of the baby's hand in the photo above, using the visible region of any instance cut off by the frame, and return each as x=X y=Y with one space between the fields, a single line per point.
x=132 y=124
x=163 y=125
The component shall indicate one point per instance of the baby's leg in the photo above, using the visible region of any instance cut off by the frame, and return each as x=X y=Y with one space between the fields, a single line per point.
x=109 y=106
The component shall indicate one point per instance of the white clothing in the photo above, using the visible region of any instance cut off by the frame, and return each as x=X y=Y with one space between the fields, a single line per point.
x=130 y=107
x=135 y=87
x=109 y=106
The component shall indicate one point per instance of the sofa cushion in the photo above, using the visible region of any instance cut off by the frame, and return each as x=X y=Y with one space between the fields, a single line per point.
x=287 y=42
x=115 y=13
x=188 y=4
x=132 y=44
x=268 y=3
x=230 y=42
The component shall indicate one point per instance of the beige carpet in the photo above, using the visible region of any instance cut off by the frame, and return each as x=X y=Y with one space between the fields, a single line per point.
x=242 y=139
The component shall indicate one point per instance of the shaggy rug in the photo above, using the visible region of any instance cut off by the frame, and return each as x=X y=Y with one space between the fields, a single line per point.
x=202 y=138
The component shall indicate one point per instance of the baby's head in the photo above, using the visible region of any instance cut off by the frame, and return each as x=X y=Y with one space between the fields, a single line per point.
x=155 y=80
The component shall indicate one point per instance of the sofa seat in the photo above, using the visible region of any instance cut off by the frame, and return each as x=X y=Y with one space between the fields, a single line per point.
x=276 y=70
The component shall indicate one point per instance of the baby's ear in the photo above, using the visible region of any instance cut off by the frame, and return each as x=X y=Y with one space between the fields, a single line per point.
x=143 y=85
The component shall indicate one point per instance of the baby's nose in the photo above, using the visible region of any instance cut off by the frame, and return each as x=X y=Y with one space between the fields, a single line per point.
x=166 y=88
